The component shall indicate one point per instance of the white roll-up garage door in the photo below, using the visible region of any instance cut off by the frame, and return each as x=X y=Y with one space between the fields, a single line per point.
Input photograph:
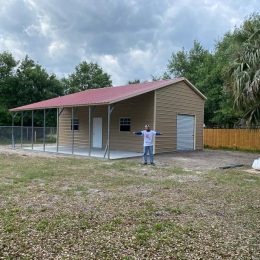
x=185 y=132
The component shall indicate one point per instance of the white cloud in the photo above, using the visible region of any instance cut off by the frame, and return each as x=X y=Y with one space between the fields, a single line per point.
x=56 y=48
x=140 y=57
x=129 y=38
x=111 y=65
x=13 y=45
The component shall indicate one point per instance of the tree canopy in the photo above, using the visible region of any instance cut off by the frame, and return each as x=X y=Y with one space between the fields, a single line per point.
x=243 y=77
x=135 y=81
x=86 y=76
x=229 y=76
x=24 y=82
x=7 y=83
x=199 y=66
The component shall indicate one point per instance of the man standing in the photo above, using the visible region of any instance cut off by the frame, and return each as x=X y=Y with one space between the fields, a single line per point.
x=148 y=142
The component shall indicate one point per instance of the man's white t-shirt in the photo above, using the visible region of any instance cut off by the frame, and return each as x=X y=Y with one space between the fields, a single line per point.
x=148 y=137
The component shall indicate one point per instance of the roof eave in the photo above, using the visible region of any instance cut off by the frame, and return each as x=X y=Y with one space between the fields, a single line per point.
x=55 y=107
x=194 y=88
x=144 y=92
x=20 y=109
x=141 y=93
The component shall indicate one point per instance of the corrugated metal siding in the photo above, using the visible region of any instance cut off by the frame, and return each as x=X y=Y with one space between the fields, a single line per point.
x=140 y=110
x=82 y=135
x=171 y=101
x=65 y=133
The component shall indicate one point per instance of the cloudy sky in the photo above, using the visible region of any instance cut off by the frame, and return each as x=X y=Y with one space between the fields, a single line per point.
x=128 y=38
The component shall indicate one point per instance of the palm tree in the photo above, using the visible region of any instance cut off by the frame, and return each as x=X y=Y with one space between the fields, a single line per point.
x=244 y=73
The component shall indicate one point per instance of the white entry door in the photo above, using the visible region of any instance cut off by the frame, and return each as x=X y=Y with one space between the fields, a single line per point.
x=185 y=132
x=97 y=132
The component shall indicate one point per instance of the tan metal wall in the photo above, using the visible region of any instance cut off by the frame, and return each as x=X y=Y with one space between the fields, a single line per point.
x=171 y=101
x=82 y=135
x=65 y=133
x=140 y=109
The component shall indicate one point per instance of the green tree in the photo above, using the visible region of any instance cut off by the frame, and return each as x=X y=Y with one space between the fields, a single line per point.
x=244 y=70
x=26 y=84
x=34 y=84
x=7 y=82
x=199 y=66
x=86 y=76
x=135 y=81
x=165 y=75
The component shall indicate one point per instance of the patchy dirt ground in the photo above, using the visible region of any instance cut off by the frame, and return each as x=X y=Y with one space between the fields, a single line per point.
x=195 y=160
x=207 y=159
x=61 y=207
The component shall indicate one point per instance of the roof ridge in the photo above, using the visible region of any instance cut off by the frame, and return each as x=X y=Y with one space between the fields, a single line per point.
x=105 y=95
x=122 y=86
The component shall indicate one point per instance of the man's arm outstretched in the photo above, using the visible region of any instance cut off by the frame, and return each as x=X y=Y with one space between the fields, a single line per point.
x=138 y=133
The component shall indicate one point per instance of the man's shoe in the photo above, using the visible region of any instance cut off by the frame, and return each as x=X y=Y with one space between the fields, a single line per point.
x=145 y=163
x=153 y=164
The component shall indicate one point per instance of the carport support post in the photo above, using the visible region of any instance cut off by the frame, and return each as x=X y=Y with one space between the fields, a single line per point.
x=22 y=130
x=57 y=130
x=72 y=125
x=13 y=144
x=32 y=129
x=44 y=128
x=108 y=130
x=89 y=129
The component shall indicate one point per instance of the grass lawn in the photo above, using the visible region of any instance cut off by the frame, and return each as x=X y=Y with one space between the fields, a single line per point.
x=69 y=208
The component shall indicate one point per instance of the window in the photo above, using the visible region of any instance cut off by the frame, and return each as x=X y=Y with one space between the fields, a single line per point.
x=75 y=124
x=125 y=124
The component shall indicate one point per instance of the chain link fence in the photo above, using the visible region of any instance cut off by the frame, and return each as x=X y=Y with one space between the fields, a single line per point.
x=26 y=134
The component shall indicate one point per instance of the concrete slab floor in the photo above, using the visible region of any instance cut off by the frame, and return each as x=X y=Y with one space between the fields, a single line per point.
x=99 y=153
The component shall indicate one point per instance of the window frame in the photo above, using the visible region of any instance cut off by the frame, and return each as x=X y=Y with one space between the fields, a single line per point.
x=74 y=124
x=130 y=124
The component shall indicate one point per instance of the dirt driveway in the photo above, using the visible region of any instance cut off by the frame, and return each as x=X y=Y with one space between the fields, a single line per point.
x=206 y=159
x=196 y=160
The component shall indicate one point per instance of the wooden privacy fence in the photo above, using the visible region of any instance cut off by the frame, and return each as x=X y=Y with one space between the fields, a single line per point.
x=232 y=138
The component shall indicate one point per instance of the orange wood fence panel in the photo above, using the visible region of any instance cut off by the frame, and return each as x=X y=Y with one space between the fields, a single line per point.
x=232 y=138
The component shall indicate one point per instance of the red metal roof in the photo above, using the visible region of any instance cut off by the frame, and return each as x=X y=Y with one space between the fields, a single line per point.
x=102 y=96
